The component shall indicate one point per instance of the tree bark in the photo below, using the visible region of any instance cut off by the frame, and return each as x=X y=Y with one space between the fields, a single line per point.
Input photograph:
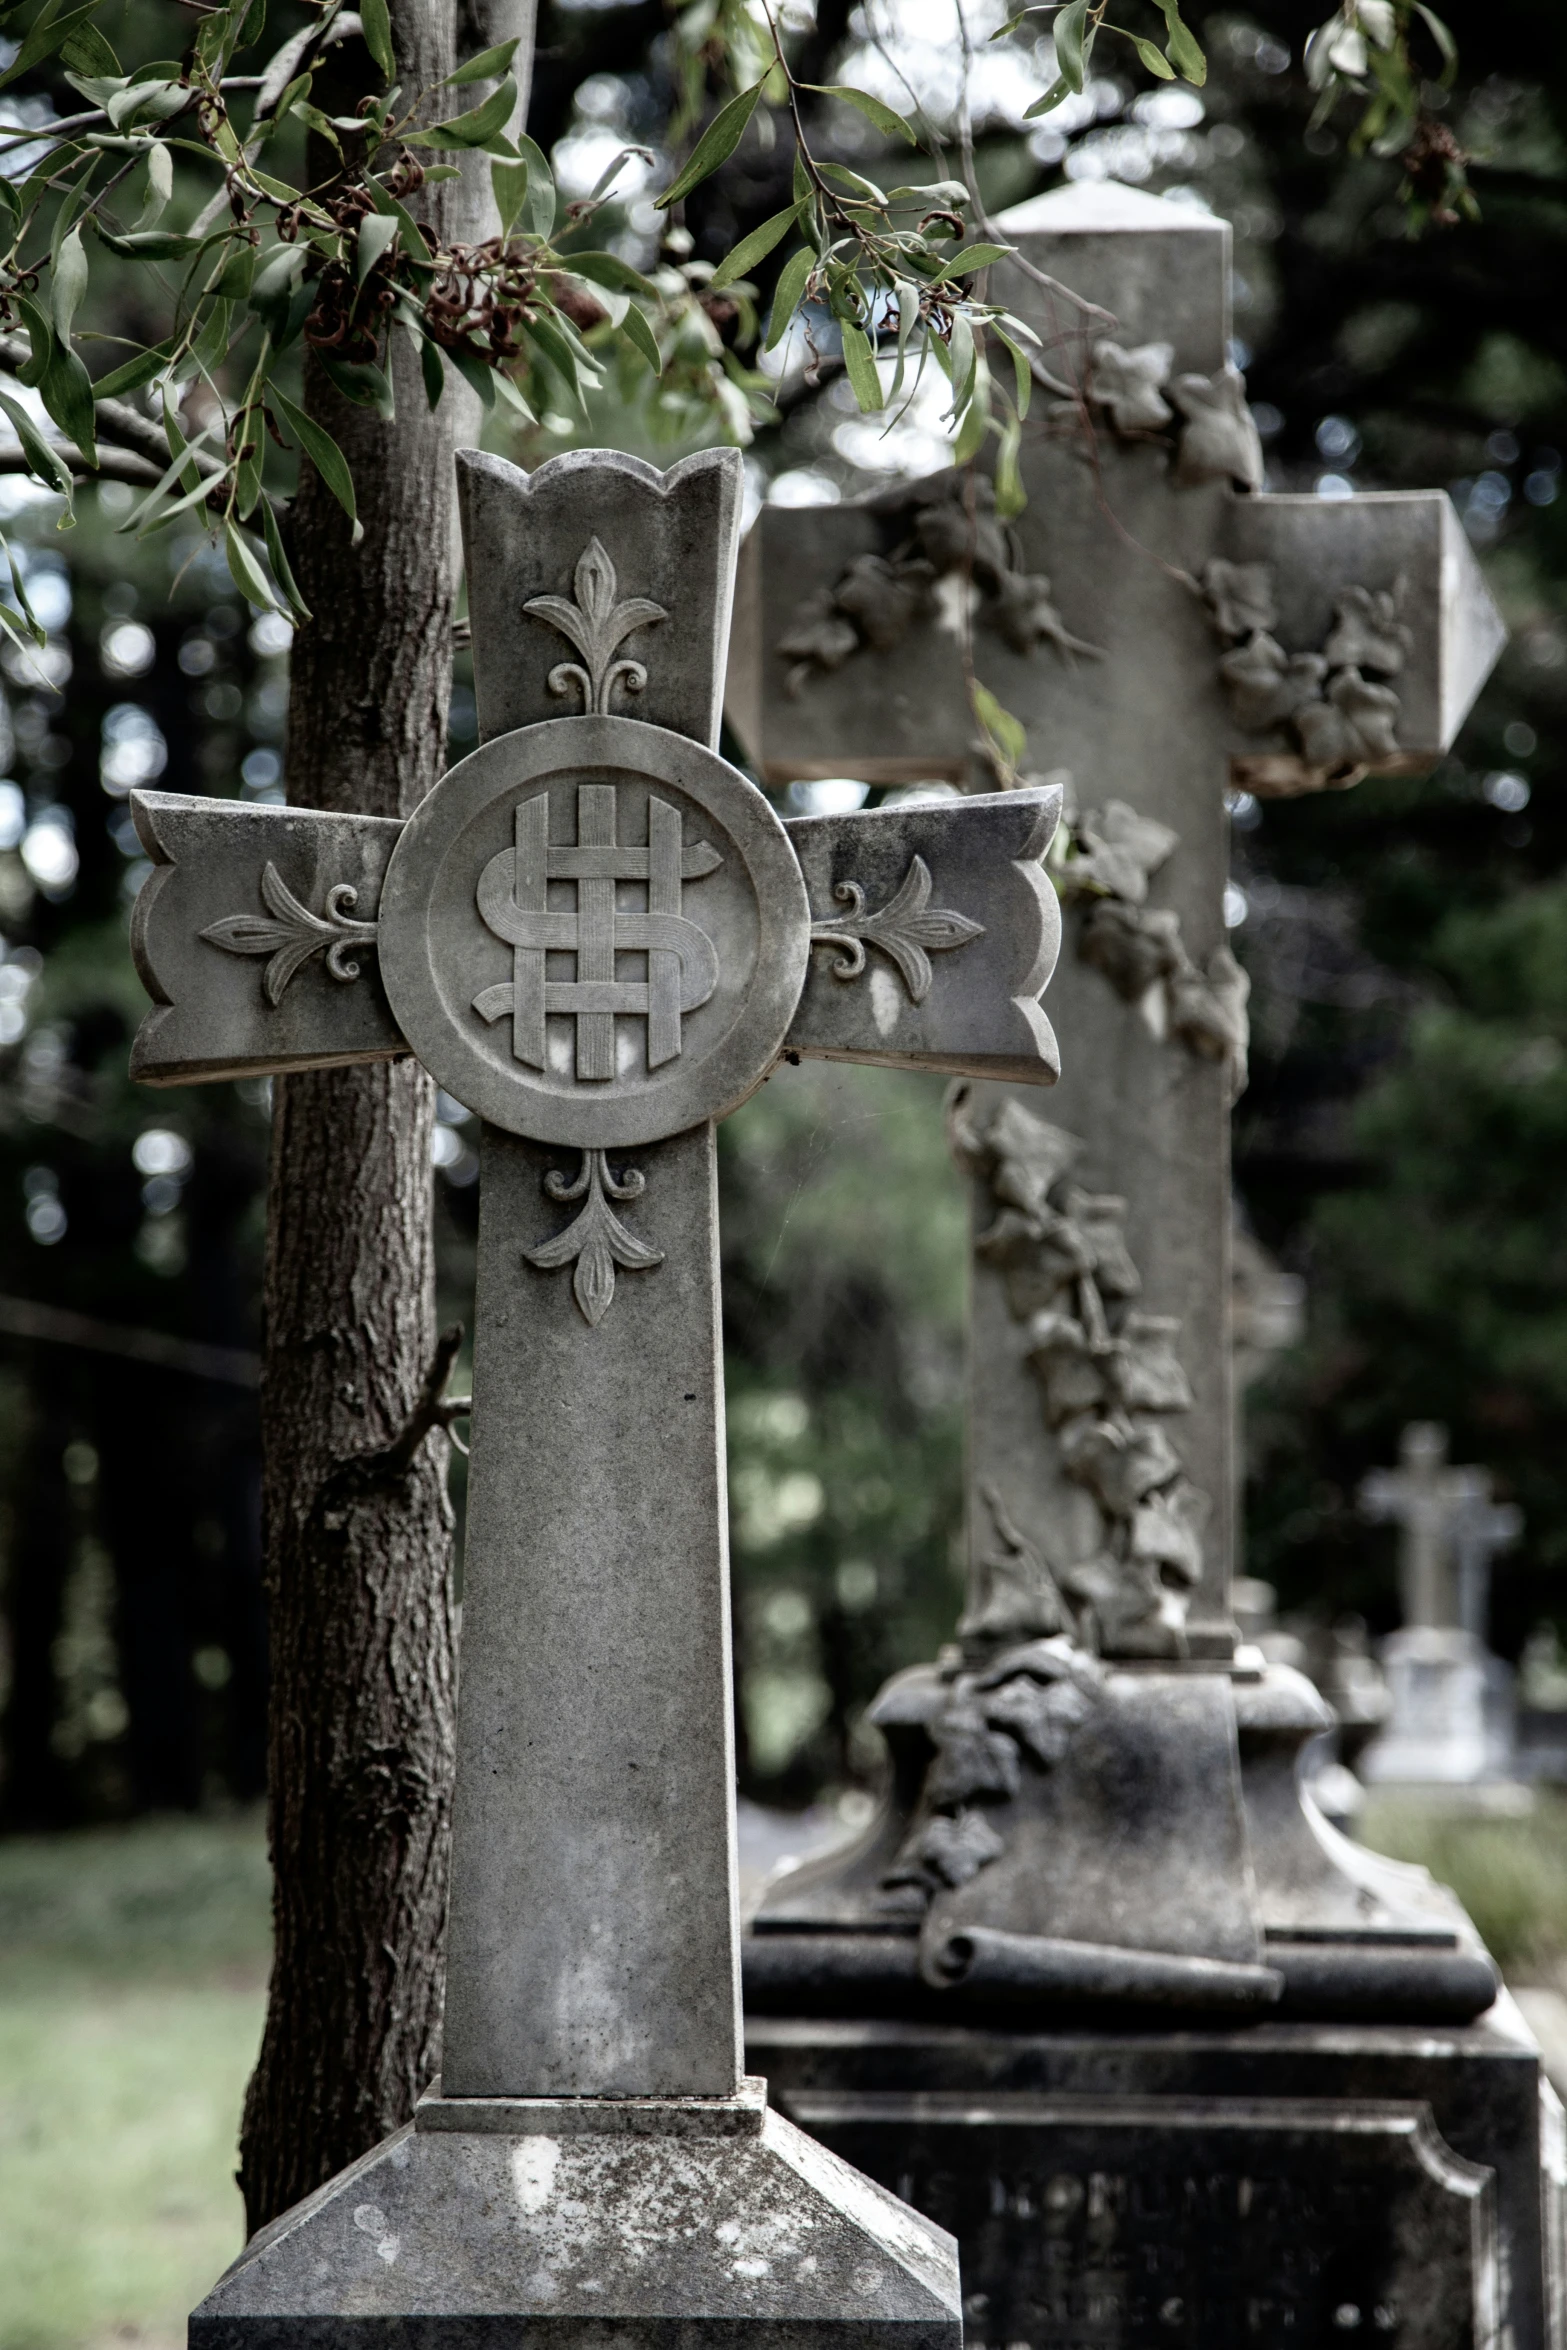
x=358 y=1572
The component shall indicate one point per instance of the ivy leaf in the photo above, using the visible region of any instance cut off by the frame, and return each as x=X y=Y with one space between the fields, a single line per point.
x=486 y=67
x=786 y=298
x=859 y=364
x=753 y=248
x=324 y=455
x=891 y=124
x=717 y=143
x=1067 y=33
x=482 y=125
x=376 y=24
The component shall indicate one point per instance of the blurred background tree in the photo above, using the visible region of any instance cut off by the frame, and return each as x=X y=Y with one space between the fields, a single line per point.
x=1410 y=1070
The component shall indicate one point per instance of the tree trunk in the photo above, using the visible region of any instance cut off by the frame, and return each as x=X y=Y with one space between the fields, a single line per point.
x=359 y=1581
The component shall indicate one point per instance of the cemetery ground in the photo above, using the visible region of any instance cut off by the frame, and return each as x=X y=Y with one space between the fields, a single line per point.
x=132 y=1978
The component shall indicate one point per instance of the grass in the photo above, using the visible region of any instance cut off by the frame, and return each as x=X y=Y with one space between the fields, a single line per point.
x=132 y=1979
x=1511 y=1875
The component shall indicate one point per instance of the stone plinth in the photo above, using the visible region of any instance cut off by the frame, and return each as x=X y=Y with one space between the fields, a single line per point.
x=592 y=2221
x=1452 y=1713
x=1293 y=2185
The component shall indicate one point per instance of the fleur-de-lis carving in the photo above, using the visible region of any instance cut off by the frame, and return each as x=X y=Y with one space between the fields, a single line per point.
x=294 y=934
x=596 y=1241
x=908 y=929
x=597 y=625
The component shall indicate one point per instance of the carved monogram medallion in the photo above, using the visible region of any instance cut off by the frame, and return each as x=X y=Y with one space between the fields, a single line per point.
x=682 y=961
x=594 y=932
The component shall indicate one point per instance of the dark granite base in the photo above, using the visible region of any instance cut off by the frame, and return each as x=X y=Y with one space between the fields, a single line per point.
x=1282 y=2187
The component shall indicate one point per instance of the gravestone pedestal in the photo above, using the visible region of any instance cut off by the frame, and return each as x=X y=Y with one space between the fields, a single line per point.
x=637 y=2220
x=1452 y=1716
x=1277 y=2184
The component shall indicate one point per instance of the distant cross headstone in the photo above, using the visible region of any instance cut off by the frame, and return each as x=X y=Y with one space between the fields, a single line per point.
x=597 y=935
x=1094 y=1815
x=1430 y=1500
x=1452 y=1700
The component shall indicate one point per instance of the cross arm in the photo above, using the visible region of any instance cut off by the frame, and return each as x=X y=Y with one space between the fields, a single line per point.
x=255 y=937
x=935 y=930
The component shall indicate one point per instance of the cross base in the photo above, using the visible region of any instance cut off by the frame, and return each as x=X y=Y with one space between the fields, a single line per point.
x=595 y=2221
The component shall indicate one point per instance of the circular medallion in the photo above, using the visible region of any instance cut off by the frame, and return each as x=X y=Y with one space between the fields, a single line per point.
x=594 y=933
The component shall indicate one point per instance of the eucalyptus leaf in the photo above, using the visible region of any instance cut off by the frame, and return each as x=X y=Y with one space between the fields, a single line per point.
x=246 y=572
x=43 y=461
x=377 y=232
x=376 y=24
x=890 y=123
x=717 y=143
x=488 y=66
x=753 y=248
x=859 y=364
x=323 y=452
x=787 y=295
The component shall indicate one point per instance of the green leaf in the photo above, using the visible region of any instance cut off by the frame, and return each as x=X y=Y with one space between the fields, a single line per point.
x=537 y=217
x=510 y=183
x=607 y=269
x=433 y=368
x=377 y=231
x=35 y=627
x=210 y=348
x=323 y=452
x=250 y=441
x=273 y=284
x=968 y=258
x=1155 y=59
x=376 y=23
x=282 y=570
x=130 y=376
x=151 y=244
x=86 y=51
x=753 y=248
x=315 y=120
x=41 y=335
x=976 y=419
x=860 y=191
x=1010 y=496
x=43 y=461
x=1182 y=50
x=1443 y=39
x=859 y=365
x=67 y=393
x=963 y=363
x=787 y=294
x=1067 y=33
x=476 y=128
x=1007 y=733
x=160 y=185
x=889 y=123
x=475 y=374
x=69 y=284
x=362 y=382
x=1059 y=89
x=246 y=572
x=638 y=331
x=1023 y=375
x=486 y=67
x=554 y=339
x=717 y=143
x=49 y=30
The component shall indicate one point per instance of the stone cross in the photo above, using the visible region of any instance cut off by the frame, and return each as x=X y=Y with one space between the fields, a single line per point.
x=1450 y=1527
x=1094 y=1789
x=1162 y=631
x=597 y=935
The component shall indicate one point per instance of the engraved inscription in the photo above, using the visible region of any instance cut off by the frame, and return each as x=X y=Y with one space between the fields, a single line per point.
x=513 y=898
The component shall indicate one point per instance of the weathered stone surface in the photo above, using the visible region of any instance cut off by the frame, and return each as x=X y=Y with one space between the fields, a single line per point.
x=1284 y=2183
x=476 y=2238
x=935 y=932
x=591 y=1949
x=287 y=982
